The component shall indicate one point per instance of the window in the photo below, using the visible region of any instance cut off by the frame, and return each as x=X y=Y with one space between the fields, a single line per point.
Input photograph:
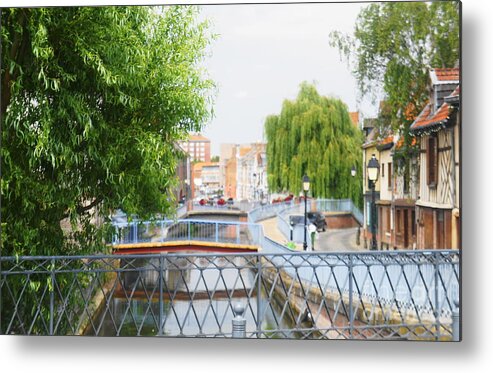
x=389 y=175
x=407 y=179
x=383 y=169
x=432 y=161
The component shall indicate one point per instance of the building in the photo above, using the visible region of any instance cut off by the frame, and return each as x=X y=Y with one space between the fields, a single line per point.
x=384 y=203
x=231 y=170
x=226 y=153
x=437 y=129
x=354 y=118
x=252 y=173
x=406 y=186
x=206 y=179
x=198 y=147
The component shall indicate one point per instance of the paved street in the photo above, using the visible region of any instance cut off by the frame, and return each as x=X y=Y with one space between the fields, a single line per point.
x=331 y=240
x=337 y=240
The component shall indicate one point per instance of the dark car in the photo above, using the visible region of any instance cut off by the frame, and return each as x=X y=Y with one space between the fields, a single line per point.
x=315 y=218
x=296 y=219
x=318 y=219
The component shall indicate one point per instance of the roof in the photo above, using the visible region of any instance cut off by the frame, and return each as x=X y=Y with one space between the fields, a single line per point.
x=370 y=139
x=198 y=137
x=354 y=117
x=445 y=75
x=386 y=143
x=400 y=143
x=427 y=119
x=454 y=96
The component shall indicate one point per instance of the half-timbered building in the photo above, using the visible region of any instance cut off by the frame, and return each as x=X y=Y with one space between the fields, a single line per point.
x=406 y=185
x=437 y=129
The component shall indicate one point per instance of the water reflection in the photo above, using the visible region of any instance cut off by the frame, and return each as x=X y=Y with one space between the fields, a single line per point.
x=198 y=294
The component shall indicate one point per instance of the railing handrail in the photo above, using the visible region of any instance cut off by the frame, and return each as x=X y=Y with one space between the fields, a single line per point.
x=399 y=253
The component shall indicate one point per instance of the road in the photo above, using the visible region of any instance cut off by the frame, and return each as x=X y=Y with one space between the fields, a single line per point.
x=337 y=240
x=331 y=240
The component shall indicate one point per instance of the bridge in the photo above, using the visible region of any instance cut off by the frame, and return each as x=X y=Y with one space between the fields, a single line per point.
x=176 y=278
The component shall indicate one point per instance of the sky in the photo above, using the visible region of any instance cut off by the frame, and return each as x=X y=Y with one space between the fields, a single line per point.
x=262 y=54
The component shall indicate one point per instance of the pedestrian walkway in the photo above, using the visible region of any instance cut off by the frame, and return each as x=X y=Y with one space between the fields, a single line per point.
x=272 y=231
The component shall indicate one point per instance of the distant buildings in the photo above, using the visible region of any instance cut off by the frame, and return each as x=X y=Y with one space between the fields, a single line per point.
x=245 y=171
x=252 y=174
x=206 y=179
x=198 y=147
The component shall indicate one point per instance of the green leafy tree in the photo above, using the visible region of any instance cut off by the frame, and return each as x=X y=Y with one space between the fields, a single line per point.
x=314 y=135
x=394 y=45
x=93 y=99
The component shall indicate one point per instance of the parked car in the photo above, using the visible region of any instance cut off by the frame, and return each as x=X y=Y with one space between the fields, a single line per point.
x=318 y=220
x=296 y=219
x=315 y=218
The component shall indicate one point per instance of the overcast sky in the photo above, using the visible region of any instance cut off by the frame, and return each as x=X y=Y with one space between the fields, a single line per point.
x=263 y=53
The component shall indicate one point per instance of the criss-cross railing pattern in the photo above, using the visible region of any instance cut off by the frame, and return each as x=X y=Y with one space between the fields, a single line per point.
x=381 y=295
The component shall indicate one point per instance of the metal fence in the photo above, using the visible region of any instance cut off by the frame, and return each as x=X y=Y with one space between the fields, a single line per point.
x=379 y=295
x=189 y=230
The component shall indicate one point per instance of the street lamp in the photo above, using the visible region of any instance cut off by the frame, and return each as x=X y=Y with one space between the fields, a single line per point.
x=353 y=171
x=306 y=188
x=373 y=168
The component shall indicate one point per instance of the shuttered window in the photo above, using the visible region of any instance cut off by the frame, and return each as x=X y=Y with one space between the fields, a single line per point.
x=432 y=160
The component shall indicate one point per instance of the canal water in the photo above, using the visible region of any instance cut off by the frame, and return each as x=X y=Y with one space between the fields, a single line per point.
x=198 y=296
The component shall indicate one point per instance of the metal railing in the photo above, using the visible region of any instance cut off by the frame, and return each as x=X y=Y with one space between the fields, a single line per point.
x=187 y=230
x=378 y=295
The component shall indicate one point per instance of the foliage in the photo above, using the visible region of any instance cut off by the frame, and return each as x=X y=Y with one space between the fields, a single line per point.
x=93 y=99
x=215 y=158
x=314 y=135
x=394 y=45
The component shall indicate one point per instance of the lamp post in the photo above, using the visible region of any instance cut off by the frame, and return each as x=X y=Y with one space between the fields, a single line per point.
x=306 y=188
x=254 y=186
x=353 y=171
x=373 y=168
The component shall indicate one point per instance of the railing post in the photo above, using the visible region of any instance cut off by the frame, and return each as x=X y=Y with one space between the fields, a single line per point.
x=456 y=322
x=161 y=308
x=437 y=313
x=237 y=233
x=217 y=231
x=135 y=232
x=351 y=317
x=239 y=322
x=259 y=296
x=189 y=233
x=52 y=295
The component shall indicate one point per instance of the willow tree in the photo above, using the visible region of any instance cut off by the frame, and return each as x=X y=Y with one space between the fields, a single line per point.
x=93 y=99
x=393 y=47
x=314 y=135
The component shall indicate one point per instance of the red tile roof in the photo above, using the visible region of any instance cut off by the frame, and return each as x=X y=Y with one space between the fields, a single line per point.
x=354 y=117
x=427 y=118
x=447 y=74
